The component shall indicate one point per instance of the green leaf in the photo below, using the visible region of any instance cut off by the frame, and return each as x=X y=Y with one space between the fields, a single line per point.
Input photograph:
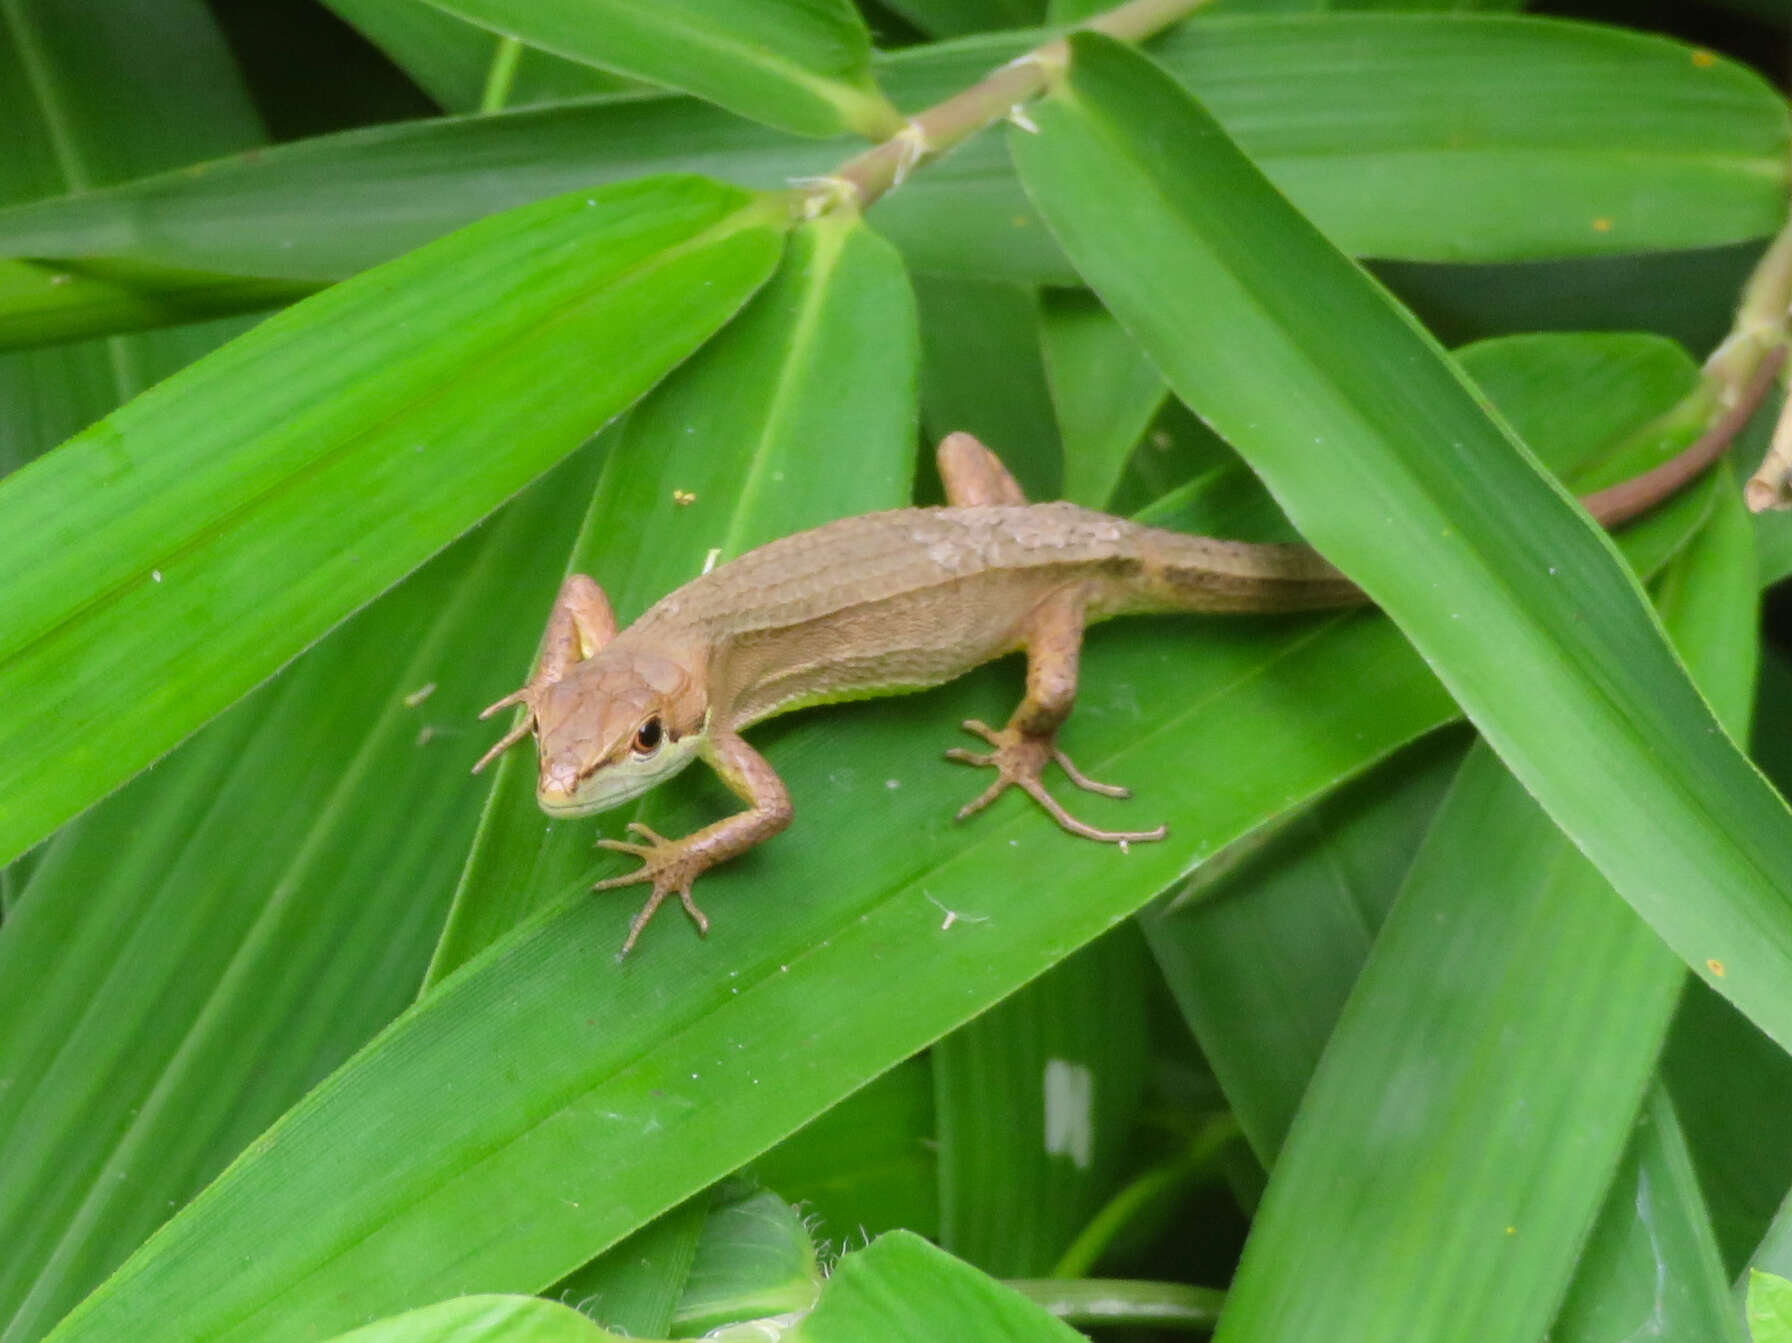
x=754 y=1260
x=1730 y=1082
x=1263 y=944
x=452 y=59
x=800 y=65
x=255 y=499
x=1480 y=1086
x=484 y=1319
x=1380 y=453
x=1769 y=1307
x=543 y=1064
x=85 y=107
x=982 y=372
x=954 y=18
x=1425 y=137
x=42 y=303
x=868 y=1165
x=744 y=435
x=1375 y=145
x=1037 y=1100
x=1262 y=947
x=634 y=1286
x=1651 y=1261
x=902 y=1287
x=193 y=954
x=1104 y=390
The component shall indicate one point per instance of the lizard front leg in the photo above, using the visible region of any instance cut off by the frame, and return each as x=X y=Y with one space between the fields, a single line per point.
x=1053 y=638
x=581 y=622
x=674 y=864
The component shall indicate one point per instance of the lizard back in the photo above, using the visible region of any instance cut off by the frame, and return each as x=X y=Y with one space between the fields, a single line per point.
x=913 y=597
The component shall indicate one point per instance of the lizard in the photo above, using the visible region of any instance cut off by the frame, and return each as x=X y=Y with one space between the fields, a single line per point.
x=885 y=603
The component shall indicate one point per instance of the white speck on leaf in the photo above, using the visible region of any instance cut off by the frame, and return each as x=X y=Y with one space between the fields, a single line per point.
x=1069 y=1111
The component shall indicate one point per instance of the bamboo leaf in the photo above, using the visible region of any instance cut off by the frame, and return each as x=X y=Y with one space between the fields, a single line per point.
x=1492 y=1055
x=1037 y=1100
x=1769 y=1307
x=452 y=59
x=196 y=951
x=800 y=65
x=1651 y=1260
x=868 y=1165
x=1416 y=493
x=542 y=1064
x=66 y=135
x=1104 y=390
x=257 y=498
x=730 y=453
x=42 y=303
x=1404 y=120
x=902 y=1287
x=484 y=1319
x=982 y=373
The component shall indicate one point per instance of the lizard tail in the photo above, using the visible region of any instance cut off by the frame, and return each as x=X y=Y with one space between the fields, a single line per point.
x=1198 y=573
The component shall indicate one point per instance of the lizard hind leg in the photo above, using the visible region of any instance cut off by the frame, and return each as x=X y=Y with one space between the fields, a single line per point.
x=1022 y=748
x=974 y=475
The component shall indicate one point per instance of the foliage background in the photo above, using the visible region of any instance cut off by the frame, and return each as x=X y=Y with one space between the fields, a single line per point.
x=1369 y=1017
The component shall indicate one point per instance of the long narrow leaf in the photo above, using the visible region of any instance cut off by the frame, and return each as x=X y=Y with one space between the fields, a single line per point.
x=1381 y=453
x=732 y=451
x=253 y=501
x=648 y=1081
x=1480 y=1087
x=195 y=952
x=801 y=65
x=1555 y=112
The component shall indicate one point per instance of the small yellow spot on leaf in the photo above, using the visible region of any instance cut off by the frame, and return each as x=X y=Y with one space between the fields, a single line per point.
x=683 y=498
x=1715 y=966
x=1602 y=225
x=1511 y=1231
x=1703 y=59
x=1020 y=221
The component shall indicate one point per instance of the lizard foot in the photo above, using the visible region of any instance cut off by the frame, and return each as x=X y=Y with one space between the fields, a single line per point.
x=668 y=865
x=1019 y=760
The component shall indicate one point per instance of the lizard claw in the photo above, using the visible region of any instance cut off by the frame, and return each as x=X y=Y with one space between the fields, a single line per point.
x=665 y=863
x=1019 y=761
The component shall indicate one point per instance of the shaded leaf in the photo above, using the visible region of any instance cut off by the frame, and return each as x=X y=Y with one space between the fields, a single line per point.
x=982 y=372
x=868 y=1165
x=1650 y=1265
x=452 y=59
x=1104 y=390
x=1037 y=1100
x=800 y=65
x=1403 y=119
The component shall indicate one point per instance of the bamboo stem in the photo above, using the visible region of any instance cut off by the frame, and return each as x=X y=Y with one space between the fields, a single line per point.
x=1000 y=94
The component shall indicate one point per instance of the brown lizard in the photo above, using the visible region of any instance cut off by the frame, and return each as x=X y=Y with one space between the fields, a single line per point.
x=881 y=604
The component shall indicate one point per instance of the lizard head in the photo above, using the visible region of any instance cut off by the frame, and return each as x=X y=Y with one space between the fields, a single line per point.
x=617 y=725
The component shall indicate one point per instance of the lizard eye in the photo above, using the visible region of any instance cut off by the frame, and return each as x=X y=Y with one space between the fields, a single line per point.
x=647 y=737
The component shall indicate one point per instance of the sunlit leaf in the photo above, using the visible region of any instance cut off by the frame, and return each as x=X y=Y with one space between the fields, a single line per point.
x=258 y=497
